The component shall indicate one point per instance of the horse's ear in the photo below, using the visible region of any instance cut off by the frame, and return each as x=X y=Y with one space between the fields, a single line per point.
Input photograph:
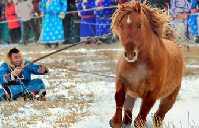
x=138 y=7
x=145 y=2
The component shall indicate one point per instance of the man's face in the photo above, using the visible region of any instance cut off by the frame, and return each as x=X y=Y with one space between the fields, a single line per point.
x=16 y=59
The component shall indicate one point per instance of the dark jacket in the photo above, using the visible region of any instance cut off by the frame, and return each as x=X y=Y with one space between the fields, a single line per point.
x=25 y=77
x=158 y=3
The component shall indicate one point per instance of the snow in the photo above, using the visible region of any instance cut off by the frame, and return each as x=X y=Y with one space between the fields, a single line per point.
x=184 y=112
x=192 y=66
x=98 y=94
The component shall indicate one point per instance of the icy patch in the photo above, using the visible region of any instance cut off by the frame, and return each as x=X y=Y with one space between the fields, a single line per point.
x=59 y=111
x=25 y=114
x=192 y=66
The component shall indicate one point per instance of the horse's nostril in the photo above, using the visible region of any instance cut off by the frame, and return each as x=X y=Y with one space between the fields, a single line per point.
x=125 y=54
x=134 y=53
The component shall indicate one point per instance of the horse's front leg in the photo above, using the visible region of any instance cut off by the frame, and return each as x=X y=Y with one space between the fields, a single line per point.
x=147 y=103
x=116 y=121
x=128 y=106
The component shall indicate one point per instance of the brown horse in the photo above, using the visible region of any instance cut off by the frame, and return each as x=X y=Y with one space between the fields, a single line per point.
x=150 y=68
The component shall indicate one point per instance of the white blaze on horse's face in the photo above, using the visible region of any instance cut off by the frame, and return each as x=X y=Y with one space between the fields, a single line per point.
x=128 y=20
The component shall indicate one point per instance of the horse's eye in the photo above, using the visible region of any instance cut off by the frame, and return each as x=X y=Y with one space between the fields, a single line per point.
x=139 y=25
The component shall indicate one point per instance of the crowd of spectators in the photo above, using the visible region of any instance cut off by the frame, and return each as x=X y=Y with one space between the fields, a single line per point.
x=47 y=21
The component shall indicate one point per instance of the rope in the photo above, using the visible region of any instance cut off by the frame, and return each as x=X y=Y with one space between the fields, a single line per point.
x=67 y=47
x=26 y=90
x=70 y=69
x=28 y=94
x=59 y=50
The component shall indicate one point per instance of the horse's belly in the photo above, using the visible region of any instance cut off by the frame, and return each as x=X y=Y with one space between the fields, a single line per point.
x=169 y=88
x=132 y=94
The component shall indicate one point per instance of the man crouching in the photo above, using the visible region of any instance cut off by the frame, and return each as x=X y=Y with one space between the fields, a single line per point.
x=15 y=78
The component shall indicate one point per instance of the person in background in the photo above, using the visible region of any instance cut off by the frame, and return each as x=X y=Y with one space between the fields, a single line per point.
x=75 y=26
x=24 y=10
x=103 y=20
x=88 y=20
x=37 y=19
x=1 y=9
x=67 y=23
x=13 y=23
x=193 y=21
x=53 y=12
x=178 y=11
x=15 y=78
x=71 y=28
x=4 y=31
x=158 y=3
x=1 y=18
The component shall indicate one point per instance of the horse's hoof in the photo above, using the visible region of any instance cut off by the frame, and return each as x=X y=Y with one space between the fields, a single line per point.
x=126 y=126
x=115 y=126
x=110 y=123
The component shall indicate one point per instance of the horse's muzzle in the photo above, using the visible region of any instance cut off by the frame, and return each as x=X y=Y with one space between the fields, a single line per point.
x=131 y=57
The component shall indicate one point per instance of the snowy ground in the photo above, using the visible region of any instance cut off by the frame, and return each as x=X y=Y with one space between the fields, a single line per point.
x=80 y=100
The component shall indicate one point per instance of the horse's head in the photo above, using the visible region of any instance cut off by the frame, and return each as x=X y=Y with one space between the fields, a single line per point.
x=134 y=24
x=130 y=28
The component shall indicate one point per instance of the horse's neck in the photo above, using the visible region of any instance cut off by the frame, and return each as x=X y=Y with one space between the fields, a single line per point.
x=156 y=42
x=154 y=45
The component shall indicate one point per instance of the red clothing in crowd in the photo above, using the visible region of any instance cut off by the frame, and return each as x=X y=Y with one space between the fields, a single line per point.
x=121 y=1
x=10 y=14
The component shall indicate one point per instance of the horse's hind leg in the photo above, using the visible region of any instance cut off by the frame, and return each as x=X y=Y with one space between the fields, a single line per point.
x=116 y=121
x=128 y=106
x=165 y=105
x=147 y=103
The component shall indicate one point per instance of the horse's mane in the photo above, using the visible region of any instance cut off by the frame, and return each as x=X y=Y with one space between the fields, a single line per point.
x=158 y=19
